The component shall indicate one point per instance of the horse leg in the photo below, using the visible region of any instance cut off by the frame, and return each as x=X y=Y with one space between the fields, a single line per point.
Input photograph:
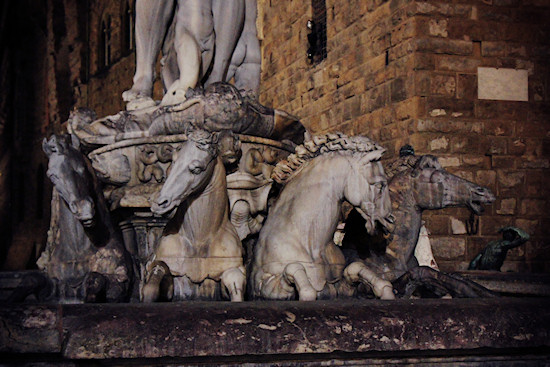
x=358 y=272
x=234 y=280
x=441 y=283
x=295 y=273
x=152 y=287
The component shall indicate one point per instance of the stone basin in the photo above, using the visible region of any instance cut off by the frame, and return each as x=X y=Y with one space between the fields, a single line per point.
x=135 y=169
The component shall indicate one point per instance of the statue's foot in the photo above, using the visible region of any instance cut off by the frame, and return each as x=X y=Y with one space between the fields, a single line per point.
x=140 y=104
x=137 y=99
x=174 y=95
x=135 y=93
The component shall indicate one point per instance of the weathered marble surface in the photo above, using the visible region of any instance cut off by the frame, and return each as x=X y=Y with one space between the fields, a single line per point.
x=295 y=256
x=276 y=328
x=417 y=183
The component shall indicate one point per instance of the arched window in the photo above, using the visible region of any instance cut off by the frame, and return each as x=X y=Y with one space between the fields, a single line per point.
x=104 y=54
x=128 y=27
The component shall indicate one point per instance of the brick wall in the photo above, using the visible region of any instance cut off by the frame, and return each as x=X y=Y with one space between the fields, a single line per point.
x=406 y=72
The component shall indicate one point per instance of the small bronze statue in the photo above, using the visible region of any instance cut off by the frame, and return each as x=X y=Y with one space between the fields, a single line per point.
x=492 y=257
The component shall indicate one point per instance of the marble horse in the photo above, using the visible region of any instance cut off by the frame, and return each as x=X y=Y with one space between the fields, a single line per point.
x=295 y=256
x=199 y=255
x=85 y=254
x=419 y=183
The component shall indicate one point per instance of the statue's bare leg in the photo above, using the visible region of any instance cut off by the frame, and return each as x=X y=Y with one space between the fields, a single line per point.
x=228 y=24
x=358 y=272
x=194 y=43
x=295 y=274
x=152 y=288
x=246 y=62
x=152 y=19
x=234 y=280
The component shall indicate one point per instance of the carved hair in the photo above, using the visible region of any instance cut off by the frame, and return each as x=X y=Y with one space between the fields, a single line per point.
x=323 y=144
x=204 y=141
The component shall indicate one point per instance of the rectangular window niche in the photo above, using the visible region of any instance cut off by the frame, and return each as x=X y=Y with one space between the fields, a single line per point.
x=502 y=84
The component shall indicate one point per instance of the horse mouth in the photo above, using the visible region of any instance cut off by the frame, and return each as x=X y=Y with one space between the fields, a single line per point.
x=476 y=206
x=372 y=225
x=387 y=224
x=479 y=199
x=87 y=222
x=164 y=206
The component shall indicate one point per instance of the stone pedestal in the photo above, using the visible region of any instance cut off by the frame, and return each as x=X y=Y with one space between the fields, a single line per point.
x=419 y=332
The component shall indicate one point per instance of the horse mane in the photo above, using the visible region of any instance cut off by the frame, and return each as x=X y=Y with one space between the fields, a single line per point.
x=204 y=141
x=320 y=145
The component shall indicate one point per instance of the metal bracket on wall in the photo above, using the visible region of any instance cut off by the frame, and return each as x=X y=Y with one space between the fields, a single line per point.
x=472 y=224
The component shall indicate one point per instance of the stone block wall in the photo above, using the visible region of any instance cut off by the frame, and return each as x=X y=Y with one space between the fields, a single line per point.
x=405 y=71
x=399 y=71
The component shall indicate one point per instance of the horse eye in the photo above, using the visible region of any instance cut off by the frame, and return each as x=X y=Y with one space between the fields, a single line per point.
x=380 y=186
x=436 y=177
x=196 y=168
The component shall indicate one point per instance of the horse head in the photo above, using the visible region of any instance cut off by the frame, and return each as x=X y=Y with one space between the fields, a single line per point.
x=367 y=190
x=435 y=188
x=68 y=171
x=192 y=168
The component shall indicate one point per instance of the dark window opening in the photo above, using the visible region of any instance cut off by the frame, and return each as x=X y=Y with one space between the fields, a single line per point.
x=105 y=43
x=317 y=37
x=128 y=25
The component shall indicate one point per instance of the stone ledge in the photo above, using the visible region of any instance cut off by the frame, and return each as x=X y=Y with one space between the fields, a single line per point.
x=193 y=329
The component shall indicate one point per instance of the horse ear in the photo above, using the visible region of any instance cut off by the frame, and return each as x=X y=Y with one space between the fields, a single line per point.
x=75 y=142
x=215 y=137
x=428 y=161
x=46 y=147
x=375 y=155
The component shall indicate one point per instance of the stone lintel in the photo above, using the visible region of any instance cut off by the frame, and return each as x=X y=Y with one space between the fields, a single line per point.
x=194 y=329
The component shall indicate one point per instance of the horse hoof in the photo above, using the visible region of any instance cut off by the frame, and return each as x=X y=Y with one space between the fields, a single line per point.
x=150 y=293
x=387 y=293
x=308 y=294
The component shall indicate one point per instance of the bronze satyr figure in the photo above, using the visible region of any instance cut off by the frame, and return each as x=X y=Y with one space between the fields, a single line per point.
x=492 y=257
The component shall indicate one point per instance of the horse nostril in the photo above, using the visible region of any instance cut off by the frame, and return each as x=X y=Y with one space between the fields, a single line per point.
x=163 y=203
x=73 y=207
